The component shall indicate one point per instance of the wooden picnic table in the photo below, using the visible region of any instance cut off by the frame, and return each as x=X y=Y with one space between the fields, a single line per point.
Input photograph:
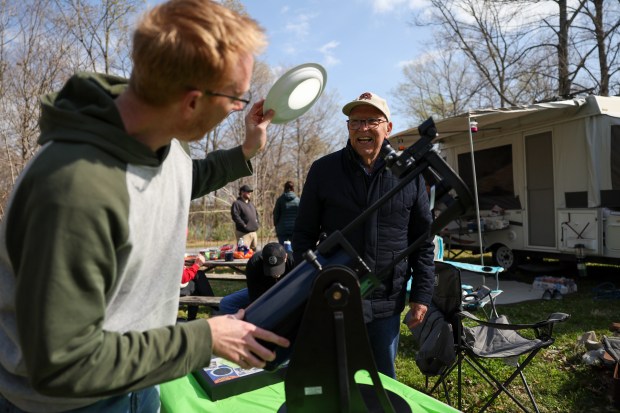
x=198 y=300
x=209 y=268
x=226 y=277
x=237 y=265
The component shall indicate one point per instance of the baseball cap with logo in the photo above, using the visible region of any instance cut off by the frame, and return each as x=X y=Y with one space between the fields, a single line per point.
x=368 y=98
x=274 y=256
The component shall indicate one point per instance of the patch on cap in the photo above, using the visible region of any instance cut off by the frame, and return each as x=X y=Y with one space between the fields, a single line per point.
x=274 y=259
x=368 y=98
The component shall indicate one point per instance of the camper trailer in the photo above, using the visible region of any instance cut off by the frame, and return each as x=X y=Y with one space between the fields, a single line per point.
x=546 y=178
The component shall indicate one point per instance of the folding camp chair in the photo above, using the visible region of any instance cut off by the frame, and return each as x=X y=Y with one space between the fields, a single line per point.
x=436 y=337
x=478 y=298
x=497 y=339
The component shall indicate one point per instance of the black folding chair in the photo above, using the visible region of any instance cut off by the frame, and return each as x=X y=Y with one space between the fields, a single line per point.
x=497 y=338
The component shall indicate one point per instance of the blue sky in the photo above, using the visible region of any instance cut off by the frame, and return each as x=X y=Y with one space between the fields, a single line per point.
x=361 y=43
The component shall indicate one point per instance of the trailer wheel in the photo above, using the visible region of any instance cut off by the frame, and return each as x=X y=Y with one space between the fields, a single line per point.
x=505 y=257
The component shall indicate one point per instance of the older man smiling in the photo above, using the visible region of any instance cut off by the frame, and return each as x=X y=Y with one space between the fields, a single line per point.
x=338 y=188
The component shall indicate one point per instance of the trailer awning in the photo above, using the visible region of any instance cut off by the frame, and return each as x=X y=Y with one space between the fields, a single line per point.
x=513 y=118
x=584 y=156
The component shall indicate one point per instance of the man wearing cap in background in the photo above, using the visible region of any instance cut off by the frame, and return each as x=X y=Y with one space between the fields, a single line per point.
x=245 y=217
x=263 y=270
x=267 y=268
x=338 y=188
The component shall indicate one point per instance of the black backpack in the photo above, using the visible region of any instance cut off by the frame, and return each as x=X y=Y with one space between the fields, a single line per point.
x=435 y=335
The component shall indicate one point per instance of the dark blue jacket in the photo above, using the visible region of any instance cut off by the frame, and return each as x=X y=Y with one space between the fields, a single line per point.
x=284 y=214
x=336 y=191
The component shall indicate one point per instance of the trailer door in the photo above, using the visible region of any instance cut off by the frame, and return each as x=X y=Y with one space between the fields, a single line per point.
x=540 y=190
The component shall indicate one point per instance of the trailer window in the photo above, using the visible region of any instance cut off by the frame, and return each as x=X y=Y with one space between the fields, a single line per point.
x=610 y=198
x=493 y=175
x=615 y=157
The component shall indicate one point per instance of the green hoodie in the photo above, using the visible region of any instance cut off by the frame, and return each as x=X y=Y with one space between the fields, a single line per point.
x=91 y=252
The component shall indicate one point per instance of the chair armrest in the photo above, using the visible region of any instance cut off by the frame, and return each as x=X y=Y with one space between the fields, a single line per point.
x=558 y=317
x=552 y=319
x=500 y=326
x=543 y=329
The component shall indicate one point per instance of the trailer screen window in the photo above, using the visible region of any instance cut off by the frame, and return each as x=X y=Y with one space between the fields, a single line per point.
x=615 y=157
x=494 y=176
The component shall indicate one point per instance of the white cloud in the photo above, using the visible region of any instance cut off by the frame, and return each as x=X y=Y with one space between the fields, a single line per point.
x=297 y=32
x=331 y=61
x=328 y=47
x=386 y=6
x=425 y=57
x=327 y=50
x=300 y=27
x=289 y=48
x=405 y=63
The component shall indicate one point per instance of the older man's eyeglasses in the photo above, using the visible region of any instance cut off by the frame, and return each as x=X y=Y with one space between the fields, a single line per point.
x=243 y=101
x=372 y=123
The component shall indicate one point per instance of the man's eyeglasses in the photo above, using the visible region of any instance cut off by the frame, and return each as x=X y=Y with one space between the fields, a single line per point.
x=372 y=123
x=245 y=100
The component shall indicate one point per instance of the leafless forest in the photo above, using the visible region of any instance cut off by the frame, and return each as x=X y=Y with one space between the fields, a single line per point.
x=485 y=54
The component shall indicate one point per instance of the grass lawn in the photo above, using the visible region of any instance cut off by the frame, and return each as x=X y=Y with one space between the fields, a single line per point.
x=560 y=380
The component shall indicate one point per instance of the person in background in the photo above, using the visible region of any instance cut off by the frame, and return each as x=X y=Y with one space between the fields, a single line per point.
x=285 y=213
x=338 y=188
x=263 y=270
x=235 y=301
x=195 y=282
x=245 y=217
x=267 y=268
x=90 y=325
x=189 y=273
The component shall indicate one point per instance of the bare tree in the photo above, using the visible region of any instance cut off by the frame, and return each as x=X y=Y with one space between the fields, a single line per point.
x=498 y=53
x=8 y=170
x=43 y=42
x=34 y=67
x=320 y=131
x=290 y=149
x=103 y=31
x=597 y=40
x=493 y=37
x=440 y=84
x=41 y=45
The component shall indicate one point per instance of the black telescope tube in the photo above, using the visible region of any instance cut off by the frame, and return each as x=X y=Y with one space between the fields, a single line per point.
x=280 y=309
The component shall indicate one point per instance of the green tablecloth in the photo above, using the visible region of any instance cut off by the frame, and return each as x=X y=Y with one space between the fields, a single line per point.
x=186 y=395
